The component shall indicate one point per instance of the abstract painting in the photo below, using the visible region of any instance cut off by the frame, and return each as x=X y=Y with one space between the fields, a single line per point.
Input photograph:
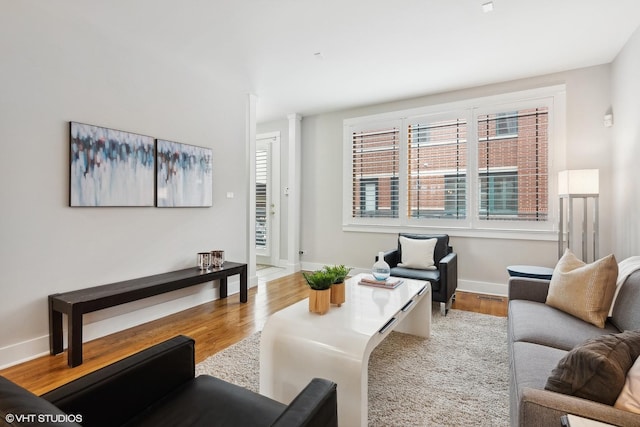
x=110 y=167
x=184 y=175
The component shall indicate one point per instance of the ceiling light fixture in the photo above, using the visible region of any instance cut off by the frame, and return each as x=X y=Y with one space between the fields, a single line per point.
x=487 y=7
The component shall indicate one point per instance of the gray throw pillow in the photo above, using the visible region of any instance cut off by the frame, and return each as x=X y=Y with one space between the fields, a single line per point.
x=597 y=369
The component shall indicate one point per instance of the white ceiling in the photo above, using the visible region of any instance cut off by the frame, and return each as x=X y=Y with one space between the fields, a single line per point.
x=371 y=51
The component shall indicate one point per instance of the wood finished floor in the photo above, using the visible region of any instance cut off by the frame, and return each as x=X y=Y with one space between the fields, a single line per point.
x=214 y=326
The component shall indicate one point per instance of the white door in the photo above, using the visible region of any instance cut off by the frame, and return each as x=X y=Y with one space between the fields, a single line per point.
x=267 y=198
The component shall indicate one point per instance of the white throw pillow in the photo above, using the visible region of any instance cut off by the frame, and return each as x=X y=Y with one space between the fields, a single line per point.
x=629 y=398
x=417 y=253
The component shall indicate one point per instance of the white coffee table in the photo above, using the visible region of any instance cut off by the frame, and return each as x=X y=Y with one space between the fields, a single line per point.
x=297 y=345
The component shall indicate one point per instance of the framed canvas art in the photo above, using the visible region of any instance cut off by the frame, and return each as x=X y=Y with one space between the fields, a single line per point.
x=184 y=175
x=110 y=167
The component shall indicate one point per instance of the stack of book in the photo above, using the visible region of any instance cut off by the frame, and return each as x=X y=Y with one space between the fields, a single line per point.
x=389 y=283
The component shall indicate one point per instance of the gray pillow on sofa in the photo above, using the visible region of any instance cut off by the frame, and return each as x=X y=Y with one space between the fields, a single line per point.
x=597 y=369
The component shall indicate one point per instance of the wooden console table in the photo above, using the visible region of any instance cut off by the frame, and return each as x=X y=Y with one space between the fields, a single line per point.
x=77 y=303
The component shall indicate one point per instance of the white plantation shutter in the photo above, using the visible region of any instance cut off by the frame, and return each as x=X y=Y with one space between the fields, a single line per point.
x=375 y=157
x=513 y=162
x=437 y=168
x=262 y=158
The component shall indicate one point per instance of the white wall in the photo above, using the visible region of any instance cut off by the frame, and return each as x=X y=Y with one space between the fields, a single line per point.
x=482 y=261
x=55 y=69
x=626 y=148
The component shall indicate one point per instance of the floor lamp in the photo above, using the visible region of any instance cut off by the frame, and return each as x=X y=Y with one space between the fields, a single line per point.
x=580 y=184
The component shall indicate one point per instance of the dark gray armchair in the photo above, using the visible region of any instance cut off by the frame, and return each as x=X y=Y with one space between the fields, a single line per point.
x=444 y=279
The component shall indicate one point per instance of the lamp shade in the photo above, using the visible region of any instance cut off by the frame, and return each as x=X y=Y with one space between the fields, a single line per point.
x=578 y=182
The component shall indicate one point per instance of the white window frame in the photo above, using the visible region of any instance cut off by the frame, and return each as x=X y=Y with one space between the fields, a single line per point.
x=552 y=97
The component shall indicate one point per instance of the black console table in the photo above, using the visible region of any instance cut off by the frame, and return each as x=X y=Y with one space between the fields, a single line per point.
x=77 y=303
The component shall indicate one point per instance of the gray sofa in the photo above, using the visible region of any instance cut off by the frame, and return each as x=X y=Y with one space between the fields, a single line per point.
x=540 y=335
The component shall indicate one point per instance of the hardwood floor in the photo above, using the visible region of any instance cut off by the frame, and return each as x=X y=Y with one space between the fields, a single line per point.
x=480 y=303
x=214 y=326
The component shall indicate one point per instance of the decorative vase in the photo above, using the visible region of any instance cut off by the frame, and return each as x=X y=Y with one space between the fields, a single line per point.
x=338 y=293
x=319 y=300
x=217 y=258
x=381 y=270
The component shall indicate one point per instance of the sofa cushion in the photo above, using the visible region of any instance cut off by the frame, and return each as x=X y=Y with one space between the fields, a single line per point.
x=584 y=290
x=208 y=401
x=531 y=364
x=538 y=323
x=417 y=253
x=597 y=369
x=626 y=267
x=626 y=310
x=629 y=398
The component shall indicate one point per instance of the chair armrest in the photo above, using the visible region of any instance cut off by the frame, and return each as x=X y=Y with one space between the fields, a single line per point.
x=116 y=393
x=448 y=267
x=315 y=406
x=391 y=257
x=18 y=402
x=528 y=289
x=544 y=408
x=449 y=260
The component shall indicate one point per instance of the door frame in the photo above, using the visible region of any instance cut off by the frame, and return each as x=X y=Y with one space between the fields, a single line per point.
x=273 y=239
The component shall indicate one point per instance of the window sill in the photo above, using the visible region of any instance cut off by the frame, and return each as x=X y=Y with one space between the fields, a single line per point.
x=479 y=233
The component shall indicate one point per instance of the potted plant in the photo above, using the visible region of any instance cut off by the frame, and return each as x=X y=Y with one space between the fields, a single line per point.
x=339 y=272
x=320 y=290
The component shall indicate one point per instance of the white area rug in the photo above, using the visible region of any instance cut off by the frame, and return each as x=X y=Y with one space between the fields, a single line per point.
x=457 y=377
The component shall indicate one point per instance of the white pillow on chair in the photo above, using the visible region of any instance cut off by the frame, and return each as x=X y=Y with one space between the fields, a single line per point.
x=417 y=253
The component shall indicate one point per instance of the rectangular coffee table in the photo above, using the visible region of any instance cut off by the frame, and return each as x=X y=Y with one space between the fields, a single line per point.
x=297 y=345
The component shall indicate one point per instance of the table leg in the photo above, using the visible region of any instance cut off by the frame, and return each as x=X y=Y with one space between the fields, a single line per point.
x=223 y=287
x=418 y=321
x=55 y=329
x=243 y=285
x=75 y=338
x=288 y=362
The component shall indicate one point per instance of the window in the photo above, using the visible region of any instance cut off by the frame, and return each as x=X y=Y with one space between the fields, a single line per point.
x=368 y=196
x=375 y=157
x=477 y=164
x=522 y=192
x=437 y=164
x=499 y=195
x=262 y=158
x=507 y=123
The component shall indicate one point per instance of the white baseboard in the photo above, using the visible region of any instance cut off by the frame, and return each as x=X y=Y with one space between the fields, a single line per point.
x=24 y=351
x=498 y=289
x=105 y=322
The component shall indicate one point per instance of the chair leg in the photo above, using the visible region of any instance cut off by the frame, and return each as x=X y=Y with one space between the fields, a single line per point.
x=445 y=306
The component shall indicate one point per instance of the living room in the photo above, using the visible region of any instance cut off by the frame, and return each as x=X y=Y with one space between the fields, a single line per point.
x=79 y=61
